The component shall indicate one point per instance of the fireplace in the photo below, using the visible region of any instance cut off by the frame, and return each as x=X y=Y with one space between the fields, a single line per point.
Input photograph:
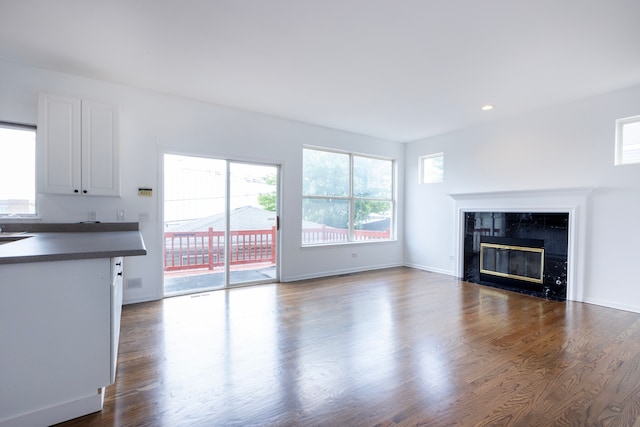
x=556 y=216
x=524 y=252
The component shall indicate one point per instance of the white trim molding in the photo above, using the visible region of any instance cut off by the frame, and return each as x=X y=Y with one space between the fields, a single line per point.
x=560 y=200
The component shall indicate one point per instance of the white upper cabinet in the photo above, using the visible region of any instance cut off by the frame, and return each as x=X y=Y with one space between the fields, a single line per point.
x=78 y=147
x=100 y=149
x=58 y=148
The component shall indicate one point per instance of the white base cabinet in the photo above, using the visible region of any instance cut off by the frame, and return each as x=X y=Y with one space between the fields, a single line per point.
x=117 y=294
x=56 y=339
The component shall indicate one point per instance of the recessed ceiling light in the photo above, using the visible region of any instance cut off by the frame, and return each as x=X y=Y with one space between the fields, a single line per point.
x=487 y=107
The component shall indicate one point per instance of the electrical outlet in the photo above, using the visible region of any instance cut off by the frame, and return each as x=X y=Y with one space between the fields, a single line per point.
x=143 y=217
x=91 y=216
x=120 y=215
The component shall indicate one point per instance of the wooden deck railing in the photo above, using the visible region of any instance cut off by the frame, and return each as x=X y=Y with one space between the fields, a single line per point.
x=206 y=249
x=336 y=235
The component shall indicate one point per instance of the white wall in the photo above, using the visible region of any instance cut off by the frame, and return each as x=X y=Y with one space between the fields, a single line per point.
x=153 y=123
x=570 y=145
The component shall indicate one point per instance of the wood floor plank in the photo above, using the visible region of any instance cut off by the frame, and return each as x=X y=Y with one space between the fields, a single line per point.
x=395 y=347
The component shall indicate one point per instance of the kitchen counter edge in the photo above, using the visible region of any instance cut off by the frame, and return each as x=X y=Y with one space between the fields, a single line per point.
x=62 y=242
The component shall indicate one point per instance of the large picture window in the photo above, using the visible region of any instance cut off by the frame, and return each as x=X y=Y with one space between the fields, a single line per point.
x=18 y=171
x=346 y=197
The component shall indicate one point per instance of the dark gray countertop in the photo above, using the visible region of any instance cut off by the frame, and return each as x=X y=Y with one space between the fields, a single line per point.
x=70 y=245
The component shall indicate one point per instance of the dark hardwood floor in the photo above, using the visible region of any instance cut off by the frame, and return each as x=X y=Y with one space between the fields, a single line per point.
x=383 y=348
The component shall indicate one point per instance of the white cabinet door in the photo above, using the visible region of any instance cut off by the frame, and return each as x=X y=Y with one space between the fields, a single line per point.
x=59 y=152
x=116 y=311
x=78 y=147
x=100 y=149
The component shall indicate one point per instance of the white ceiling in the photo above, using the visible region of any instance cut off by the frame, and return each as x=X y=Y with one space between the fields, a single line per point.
x=395 y=69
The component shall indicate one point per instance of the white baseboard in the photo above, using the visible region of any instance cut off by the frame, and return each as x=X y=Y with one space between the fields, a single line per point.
x=338 y=272
x=612 y=304
x=431 y=269
x=138 y=299
x=59 y=413
x=134 y=299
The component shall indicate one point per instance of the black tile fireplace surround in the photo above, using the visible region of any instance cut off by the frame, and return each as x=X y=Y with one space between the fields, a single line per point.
x=550 y=229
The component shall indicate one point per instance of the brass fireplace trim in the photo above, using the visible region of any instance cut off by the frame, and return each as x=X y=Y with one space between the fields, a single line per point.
x=515 y=248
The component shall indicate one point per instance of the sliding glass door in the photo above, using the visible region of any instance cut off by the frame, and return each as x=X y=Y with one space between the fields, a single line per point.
x=253 y=222
x=220 y=224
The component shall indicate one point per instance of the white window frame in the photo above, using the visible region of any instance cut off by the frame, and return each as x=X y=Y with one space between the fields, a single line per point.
x=13 y=216
x=352 y=199
x=422 y=165
x=625 y=141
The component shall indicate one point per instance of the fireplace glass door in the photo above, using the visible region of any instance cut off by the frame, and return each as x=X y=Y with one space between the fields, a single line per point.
x=513 y=262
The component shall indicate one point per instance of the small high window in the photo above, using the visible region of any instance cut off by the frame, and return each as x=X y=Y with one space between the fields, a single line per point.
x=432 y=168
x=18 y=170
x=628 y=140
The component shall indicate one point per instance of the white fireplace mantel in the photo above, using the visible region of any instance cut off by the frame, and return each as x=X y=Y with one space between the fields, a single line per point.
x=565 y=200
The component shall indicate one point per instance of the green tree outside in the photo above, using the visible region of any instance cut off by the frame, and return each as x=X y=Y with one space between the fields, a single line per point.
x=326 y=174
x=268 y=201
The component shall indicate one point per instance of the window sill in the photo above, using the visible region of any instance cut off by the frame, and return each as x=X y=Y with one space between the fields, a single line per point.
x=359 y=242
x=13 y=218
